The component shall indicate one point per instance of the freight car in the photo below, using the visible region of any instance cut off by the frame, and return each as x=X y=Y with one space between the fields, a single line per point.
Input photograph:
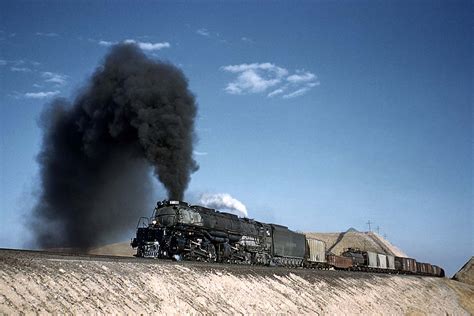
x=376 y=262
x=370 y=261
x=316 y=254
x=340 y=262
x=180 y=231
x=405 y=265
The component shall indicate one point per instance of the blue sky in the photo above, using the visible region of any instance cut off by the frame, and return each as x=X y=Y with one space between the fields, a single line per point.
x=320 y=116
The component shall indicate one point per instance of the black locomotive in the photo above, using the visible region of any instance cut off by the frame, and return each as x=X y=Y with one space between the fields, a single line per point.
x=181 y=231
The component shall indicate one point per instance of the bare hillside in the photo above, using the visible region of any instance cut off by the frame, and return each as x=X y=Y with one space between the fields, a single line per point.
x=118 y=249
x=466 y=273
x=338 y=242
x=34 y=282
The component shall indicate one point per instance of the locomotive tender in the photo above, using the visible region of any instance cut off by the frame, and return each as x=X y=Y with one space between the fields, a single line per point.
x=181 y=231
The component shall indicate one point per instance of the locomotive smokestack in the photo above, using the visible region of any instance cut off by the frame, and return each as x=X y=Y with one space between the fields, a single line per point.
x=133 y=115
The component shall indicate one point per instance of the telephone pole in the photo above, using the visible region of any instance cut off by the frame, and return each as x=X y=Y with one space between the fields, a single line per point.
x=368 y=223
x=378 y=230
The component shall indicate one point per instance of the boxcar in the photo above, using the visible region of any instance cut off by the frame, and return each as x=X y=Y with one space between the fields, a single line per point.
x=405 y=265
x=390 y=262
x=382 y=261
x=437 y=271
x=424 y=268
x=339 y=262
x=316 y=251
x=372 y=261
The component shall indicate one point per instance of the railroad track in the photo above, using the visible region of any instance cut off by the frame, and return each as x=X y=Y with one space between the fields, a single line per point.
x=23 y=257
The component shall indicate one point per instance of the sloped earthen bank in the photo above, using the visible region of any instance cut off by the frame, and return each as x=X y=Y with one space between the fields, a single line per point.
x=466 y=273
x=39 y=282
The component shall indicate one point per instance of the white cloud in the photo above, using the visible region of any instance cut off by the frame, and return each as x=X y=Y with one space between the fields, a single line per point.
x=51 y=34
x=256 y=66
x=211 y=35
x=300 y=77
x=276 y=92
x=260 y=77
x=55 y=78
x=200 y=153
x=203 y=32
x=20 y=69
x=254 y=78
x=296 y=93
x=223 y=202
x=148 y=46
x=40 y=95
x=20 y=65
x=313 y=84
x=246 y=39
x=106 y=43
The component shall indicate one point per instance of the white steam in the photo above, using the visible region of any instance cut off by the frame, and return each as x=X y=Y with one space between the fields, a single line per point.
x=224 y=202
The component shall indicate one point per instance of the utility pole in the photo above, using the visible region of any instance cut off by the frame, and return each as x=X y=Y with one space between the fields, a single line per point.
x=368 y=223
x=378 y=230
x=385 y=236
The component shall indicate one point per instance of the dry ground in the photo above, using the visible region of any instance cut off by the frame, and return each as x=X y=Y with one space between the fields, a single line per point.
x=38 y=282
x=466 y=273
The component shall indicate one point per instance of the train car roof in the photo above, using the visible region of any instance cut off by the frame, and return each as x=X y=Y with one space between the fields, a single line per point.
x=278 y=226
x=212 y=211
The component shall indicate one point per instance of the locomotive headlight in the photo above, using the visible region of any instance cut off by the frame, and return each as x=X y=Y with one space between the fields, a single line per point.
x=153 y=222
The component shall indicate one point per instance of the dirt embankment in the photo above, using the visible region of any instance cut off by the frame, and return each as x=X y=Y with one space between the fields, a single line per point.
x=466 y=273
x=34 y=282
x=118 y=249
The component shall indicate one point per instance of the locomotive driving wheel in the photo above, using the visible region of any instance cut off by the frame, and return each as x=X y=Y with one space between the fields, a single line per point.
x=211 y=251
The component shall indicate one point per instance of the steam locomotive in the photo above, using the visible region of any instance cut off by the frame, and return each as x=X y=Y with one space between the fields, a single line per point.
x=180 y=231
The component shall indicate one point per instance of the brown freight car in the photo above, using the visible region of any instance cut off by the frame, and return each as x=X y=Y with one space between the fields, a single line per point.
x=339 y=262
x=405 y=265
x=424 y=268
x=437 y=271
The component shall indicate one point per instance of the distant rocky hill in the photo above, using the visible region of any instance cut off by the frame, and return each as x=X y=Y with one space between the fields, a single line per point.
x=368 y=241
x=466 y=273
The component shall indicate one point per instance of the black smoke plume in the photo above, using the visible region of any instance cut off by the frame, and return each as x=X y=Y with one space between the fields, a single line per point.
x=135 y=114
